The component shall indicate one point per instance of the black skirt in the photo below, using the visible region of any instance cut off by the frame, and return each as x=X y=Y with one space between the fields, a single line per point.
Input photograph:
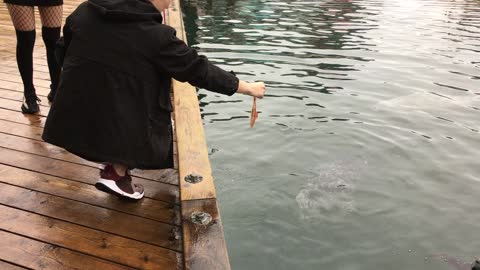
x=41 y=3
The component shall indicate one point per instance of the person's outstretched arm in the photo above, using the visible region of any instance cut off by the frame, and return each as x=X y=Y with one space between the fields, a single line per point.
x=256 y=89
x=173 y=57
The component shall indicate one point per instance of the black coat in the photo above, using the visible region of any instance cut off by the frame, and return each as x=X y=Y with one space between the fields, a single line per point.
x=113 y=102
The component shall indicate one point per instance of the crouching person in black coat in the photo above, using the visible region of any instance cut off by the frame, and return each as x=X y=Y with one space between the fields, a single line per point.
x=113 y=102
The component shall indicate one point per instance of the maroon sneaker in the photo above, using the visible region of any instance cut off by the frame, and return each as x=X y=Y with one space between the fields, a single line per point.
x=122 y=186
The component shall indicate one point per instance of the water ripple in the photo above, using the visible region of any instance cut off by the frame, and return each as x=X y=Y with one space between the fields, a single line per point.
x=393 y=81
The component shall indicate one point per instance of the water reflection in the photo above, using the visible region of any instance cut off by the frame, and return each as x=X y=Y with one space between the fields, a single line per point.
x=265 y=34
x=394 y=82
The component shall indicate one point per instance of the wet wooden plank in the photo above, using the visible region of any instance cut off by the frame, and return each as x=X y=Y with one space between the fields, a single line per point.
x=85 y=174
x=204 y=245
x=13 y=95
x=191 y=142
x=169 y=176
x=8 y=52
x=38 y=255
x=17 y=79
x=21 y=142
x=39 y=65
x=9 y=57
x=192 y=148
x=146 y=208
x=175 y=19
x=141 y=229
x=26 y=119
x=9 y=266
x=96 y=243
x=14 y=70
x=22 y=130
x=18 y=87
x=30 y=141
x=15 y=105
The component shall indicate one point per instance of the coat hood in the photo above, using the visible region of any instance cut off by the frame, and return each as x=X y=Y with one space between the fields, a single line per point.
x=126 y=10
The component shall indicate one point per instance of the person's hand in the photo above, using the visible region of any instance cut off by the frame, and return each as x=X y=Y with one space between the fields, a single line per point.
x=255 y=89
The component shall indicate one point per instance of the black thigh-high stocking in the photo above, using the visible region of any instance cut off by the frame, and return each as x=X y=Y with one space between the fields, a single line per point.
x=23 y=19
x=51 y=22
x=25 y=44
x=50 y=36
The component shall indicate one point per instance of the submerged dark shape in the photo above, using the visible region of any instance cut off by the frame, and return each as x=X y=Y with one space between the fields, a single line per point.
x=476 y=265
x=458 y=264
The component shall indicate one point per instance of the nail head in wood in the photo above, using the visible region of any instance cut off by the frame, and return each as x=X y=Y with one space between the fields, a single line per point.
x=193 y=178
x=201 y=218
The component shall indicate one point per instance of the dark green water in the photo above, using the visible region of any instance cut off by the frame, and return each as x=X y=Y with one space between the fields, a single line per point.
x=366 y=151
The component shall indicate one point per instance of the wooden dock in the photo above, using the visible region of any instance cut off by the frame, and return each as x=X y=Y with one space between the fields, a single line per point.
x=51 y=215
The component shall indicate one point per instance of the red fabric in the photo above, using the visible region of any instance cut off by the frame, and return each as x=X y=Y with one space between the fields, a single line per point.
x=110 y=173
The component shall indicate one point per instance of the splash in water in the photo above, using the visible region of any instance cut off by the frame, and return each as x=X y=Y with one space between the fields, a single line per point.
x=329 y=191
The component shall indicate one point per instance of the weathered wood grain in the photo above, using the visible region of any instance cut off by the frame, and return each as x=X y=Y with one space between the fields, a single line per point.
x=28 y=139
x=192 y=148
x=9 y=266
x=60 y=187
x=94 y=217
x=191 y=143
x=96 y=243
x=39 y=255
x=85 y=174
x=204 y=245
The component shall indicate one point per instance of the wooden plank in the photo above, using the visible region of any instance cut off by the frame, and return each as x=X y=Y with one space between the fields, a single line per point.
x=17 y=96
x=13 y=95
x=26 y=119
x=204 y=245
x=169 y=176
x=15 y=86
x=22 y=130
x=153 y=190
x=38 y=65
x=141 y=229
x=191 y=143
x=39 y=53
x=15 y=77
x=146 y=208
x=38 y=255
x=175 y=19
x=35 y=145
x=192 y=148
x=15 y=105
x=14 y=70
x=9 y=266
x=96 y=243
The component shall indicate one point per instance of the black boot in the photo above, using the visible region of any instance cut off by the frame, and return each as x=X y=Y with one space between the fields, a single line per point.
x=53 y=92
x=50 y=37
x=25 y=43
x=30 y=102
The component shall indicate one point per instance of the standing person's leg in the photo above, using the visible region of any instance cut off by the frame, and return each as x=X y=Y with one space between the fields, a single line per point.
x=51 y=17
x=23 y=18
x=116 y=179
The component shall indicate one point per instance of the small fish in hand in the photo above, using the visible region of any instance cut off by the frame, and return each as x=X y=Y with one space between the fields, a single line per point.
x=254 y=115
